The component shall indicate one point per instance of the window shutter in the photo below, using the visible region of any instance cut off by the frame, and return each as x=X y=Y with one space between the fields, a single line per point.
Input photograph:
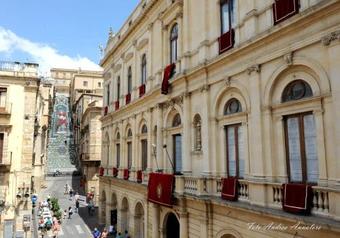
x=241 y=151
x=1 y=147
x=294 y=149
x=310 y=148
x=231 y=152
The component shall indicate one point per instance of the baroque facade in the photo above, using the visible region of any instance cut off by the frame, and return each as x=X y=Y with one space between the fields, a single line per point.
x=24 y=107
x=213 y=89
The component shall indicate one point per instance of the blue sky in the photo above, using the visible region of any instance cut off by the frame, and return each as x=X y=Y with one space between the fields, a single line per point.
x=66 y=31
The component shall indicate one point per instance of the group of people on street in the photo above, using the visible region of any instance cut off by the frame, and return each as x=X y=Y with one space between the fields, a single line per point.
x=45 y=221
x=111 y=233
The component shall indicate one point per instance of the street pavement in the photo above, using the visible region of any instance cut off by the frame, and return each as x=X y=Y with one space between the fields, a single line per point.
x=81 y=224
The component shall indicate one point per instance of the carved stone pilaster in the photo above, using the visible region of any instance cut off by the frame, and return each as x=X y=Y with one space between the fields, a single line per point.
x=150 y=26
x=204 y=88
x=326 y=40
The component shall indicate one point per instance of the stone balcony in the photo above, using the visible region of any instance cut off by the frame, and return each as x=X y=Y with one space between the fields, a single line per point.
x=324 y=198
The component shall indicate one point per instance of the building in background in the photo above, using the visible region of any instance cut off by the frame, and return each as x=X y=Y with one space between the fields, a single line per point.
x=90 y=142
x=229 y=100
x=24 y=104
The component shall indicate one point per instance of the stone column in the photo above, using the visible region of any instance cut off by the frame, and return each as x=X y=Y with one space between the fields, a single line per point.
x=207 y=143
x=332 y=43
x=108 y=214
x=155 y=221
x=150 y=147
x=183 y=225
x=134 y=148
x=187 y=146
x=159 y=155
x=257 y=169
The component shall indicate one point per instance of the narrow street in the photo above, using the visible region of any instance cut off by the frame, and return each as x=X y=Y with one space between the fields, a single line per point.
x=81 y=224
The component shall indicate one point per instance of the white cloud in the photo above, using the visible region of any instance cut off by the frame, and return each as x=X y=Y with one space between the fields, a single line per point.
x=46 y=56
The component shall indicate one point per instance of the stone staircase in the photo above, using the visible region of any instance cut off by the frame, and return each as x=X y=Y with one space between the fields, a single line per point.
x=61 y=153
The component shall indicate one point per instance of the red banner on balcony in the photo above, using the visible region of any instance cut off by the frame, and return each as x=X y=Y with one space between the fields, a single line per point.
x=283 y=9
x=226 y=41
x=160 y=188
x=139 y=176
x=101 y=171
x=128 y=98
x=141 y=90
x=116 y=105
x=168 y=72
x=105 y=110
x=126 y=174
x=297 y=198
x=115 y=172
x=229 y=188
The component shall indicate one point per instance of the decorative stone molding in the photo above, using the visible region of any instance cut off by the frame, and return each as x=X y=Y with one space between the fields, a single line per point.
x=204 y=88
x=227 y=81
x=150 y=26
x=165 y=27
x=326 y=40
x=288 y=58
x=179 y=15
x=254 y=68
x=107 y=75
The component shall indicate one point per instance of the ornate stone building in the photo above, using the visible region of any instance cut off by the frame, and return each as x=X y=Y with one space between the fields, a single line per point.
x=24 y=103
x=241 y=90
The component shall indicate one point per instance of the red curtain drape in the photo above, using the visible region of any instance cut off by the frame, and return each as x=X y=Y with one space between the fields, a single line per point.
x=101 y=171
x=128 y=98
x=160 y=188
x=139 y=176
x=283 y=9
x=126 y=174
x=116 y=105
x=229 y=188
x=115 y=172
x=168 y=71
x=141 y=90
x=226 y=41
x=297 y=198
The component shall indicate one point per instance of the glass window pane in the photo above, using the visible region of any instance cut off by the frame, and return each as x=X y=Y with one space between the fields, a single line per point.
x=225 y=17
x=129 y=154
x=241 y=152
x=178 y=153
x=310 y=148
x=118 y=155
x=294 y=149
x=231 y=152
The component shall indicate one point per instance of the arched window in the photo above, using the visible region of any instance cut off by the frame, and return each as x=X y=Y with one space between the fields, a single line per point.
x=296 y=90
x=129 y=82
x=177 y=120
x=118 y=136
x=227 y=15
x=300 y=137
x=144 y=129
x=129 y=149
x=232 y=106
x=144 y=148
x=118 y=88
x=117 y=150
x=143 y=69
x=173 y=43
x=129 y=134
x=197 y=131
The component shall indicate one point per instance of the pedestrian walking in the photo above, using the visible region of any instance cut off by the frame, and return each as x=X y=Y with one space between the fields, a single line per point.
x=71 y=193
x=126 y=235
x=77 y=206
x=65 y=214
x=96 y=233
x=70 y=212
x=67 y=187
x=76 y=196
x=55 y=228
x=104 y=233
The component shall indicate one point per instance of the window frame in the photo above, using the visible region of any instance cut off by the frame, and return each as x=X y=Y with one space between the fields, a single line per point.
x=118 y=88
x=236 y=127
x=174 y=42
x=129 y=80
x=230 y=13
x=303 y=156
x=143 y=69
